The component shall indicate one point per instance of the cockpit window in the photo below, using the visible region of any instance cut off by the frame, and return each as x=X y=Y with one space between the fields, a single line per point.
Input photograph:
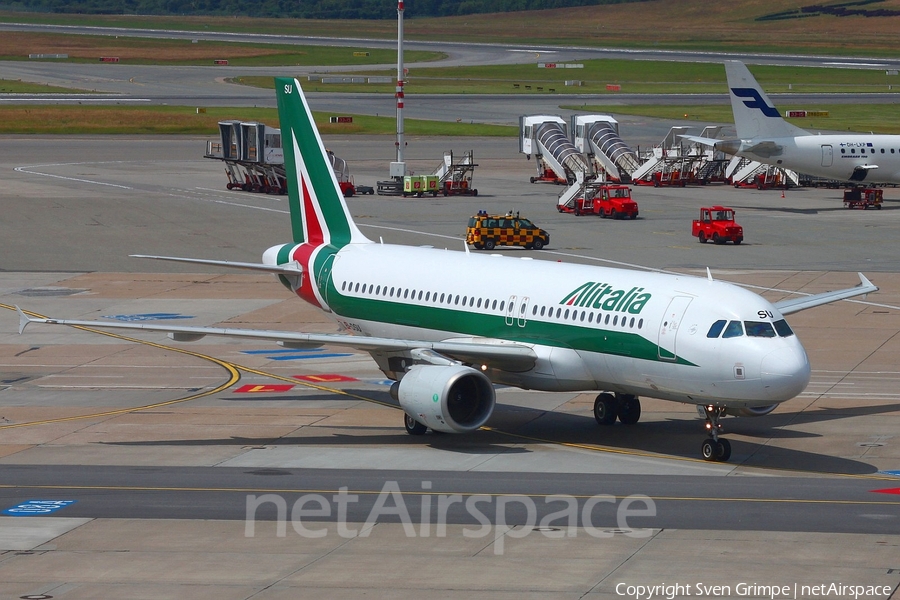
x=783 y=329
x=759 y=329
x=716 y=329
x=734 y=329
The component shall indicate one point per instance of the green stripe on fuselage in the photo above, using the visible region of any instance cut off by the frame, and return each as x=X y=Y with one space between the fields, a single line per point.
x=562 y=335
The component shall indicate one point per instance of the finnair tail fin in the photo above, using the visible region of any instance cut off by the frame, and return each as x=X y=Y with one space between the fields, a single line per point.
x=754 y=114
x=319 y=214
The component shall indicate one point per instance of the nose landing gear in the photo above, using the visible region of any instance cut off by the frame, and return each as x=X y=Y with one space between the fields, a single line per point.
x=715 y=449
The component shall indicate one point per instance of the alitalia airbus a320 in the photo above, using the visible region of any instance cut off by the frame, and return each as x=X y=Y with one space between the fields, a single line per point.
x=445 y=335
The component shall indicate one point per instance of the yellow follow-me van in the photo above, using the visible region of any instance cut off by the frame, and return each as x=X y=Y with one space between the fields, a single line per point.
x=488 y=231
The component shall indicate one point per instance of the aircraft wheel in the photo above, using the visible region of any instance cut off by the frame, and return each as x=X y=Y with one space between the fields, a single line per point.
x=413 y=427
x=605 y=409
x=723 y=450
x=708 y=450
x=629 y=411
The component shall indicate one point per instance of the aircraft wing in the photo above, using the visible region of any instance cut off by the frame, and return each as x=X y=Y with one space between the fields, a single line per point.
x=500 y=354
x=793 y=305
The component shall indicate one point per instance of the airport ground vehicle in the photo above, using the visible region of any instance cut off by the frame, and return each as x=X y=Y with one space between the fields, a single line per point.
x=488 y=231
x=863 y=198
x=605 y=199
x=717 y=223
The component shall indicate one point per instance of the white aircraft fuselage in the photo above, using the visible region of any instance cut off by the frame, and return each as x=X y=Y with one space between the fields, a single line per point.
x=591 y=328
x=843 y=157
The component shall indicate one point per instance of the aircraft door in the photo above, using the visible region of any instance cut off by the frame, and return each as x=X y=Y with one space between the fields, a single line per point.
x=511 y=310
x=668 y=327
x=827 y=155
x=523 y=311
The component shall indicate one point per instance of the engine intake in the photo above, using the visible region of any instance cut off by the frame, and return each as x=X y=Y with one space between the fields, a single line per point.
x=451 y=399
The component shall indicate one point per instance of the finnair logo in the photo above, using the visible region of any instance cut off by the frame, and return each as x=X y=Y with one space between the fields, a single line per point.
x=756 y=101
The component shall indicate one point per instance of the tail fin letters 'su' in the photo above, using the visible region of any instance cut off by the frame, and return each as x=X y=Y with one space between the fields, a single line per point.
x=754 y=114
x=319 y=214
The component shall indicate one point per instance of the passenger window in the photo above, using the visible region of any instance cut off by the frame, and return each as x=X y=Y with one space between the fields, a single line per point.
x=566 y=315
x=631 y=323
x=590 y=317
x=494 y=305
x=615 y=320
x=543 y=308
x=641 y=324
x=606 y=320
x=343 y=286
x=716 y=329
x=502 y=304
x=357 y=288
x=734 y=329
x=783 y=329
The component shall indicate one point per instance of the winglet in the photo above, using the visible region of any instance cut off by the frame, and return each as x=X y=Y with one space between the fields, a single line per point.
x=24 y=320
x=864 y=282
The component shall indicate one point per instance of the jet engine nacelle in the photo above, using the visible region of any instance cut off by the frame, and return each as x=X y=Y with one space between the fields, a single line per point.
x=755 y=411
x=451 y=399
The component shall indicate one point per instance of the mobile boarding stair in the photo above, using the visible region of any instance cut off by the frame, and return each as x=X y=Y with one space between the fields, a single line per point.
x=597 y=136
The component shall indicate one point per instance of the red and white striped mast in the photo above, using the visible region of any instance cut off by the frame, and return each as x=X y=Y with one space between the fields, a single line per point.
x=400 y=75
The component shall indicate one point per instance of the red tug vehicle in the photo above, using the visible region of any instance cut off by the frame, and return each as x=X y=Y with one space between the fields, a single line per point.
x=605 y=199
x=717 y=223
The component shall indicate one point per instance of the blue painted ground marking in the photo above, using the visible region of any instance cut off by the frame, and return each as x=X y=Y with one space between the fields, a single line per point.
x=31 y=508
x=894 y=473
x=296 y=353
x=148 y=317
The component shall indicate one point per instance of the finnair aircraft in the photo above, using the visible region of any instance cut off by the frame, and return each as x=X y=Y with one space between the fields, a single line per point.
x=446 y=333
x=765 y=137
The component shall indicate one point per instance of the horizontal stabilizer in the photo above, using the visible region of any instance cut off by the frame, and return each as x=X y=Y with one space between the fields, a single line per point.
x=797 y=304
x=700 y=140
x=291 y=268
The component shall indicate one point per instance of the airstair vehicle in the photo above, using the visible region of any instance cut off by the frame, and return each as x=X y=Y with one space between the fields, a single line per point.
x=666 y=163
x=455 y=174
x=744 y=172
x=597 y=136
x=254 y=158
x=557 y=158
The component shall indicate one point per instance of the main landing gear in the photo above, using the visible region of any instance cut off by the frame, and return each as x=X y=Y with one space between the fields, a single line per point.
x=608 y=407
x=715 y=449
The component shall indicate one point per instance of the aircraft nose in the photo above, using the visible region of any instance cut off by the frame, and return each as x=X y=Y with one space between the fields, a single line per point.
x=785 y=372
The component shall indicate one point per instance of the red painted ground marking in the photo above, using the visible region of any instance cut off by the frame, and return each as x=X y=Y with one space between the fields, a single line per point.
x=888 y=491
x=325 y=378
x=256 y=389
